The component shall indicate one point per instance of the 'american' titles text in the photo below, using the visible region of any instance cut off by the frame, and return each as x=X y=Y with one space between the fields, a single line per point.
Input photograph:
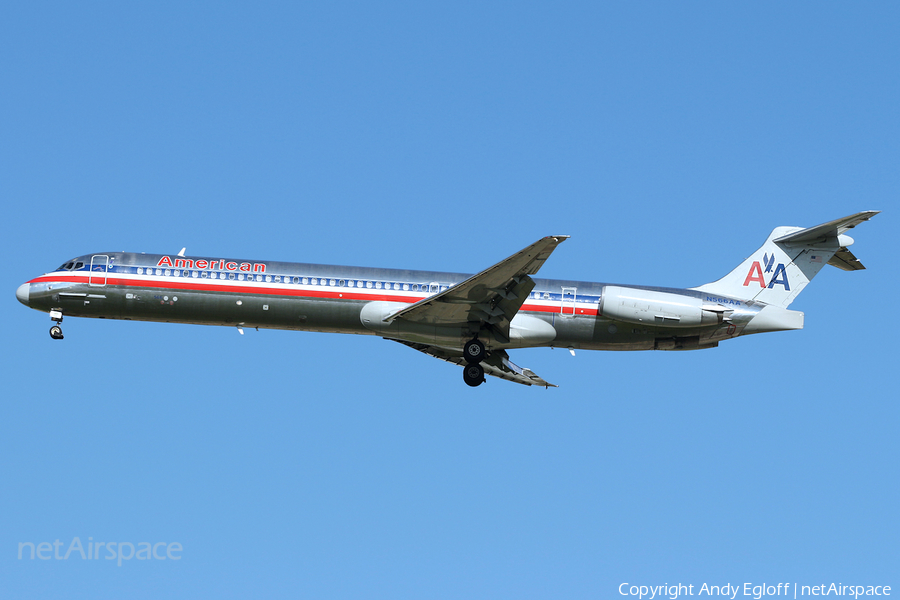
x=189 y=263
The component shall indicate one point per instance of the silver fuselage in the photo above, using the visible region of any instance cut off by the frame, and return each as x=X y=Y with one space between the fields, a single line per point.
x=326 y=298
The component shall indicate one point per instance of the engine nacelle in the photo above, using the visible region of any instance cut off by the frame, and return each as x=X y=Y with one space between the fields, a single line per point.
x=647 y=307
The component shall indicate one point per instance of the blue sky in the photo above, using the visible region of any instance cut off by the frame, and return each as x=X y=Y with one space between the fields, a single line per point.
x=667 y=139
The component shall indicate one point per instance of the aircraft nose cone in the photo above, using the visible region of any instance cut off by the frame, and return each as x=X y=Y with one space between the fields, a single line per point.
x=22 y=293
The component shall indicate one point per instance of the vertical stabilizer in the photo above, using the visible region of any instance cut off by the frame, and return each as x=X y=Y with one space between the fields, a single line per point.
x=787 y=262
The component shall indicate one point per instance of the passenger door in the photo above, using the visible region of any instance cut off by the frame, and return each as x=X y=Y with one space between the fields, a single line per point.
x=99 y=267
x=567 y=302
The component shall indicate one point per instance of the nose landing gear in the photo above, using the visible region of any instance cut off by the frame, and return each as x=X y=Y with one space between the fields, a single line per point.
x=56 y=331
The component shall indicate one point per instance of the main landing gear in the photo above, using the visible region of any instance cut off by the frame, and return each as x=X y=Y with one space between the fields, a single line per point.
x=474 y=353
x=56 y=331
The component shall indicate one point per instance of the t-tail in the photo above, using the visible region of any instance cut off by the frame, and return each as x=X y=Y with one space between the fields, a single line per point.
x=777 y=272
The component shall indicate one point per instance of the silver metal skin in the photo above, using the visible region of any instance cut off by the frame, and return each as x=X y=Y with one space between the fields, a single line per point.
x=22 y=293
x=171 y=303
x=504 y=307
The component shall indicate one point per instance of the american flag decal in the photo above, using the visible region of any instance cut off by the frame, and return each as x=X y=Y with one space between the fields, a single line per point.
x=816 y=258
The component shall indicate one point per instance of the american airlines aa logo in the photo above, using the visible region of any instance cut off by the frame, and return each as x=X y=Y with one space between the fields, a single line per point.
x=756 y=273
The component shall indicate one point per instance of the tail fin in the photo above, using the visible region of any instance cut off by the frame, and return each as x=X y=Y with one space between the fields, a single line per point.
x=790 y=258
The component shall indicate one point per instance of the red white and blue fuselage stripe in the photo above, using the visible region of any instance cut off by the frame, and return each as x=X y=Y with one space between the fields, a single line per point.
x=365 y=286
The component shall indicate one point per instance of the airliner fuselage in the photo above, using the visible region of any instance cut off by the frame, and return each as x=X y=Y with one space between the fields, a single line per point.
x=470 y=320
x=331 y=299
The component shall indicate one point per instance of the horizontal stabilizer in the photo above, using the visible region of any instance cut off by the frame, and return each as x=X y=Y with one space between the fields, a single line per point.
x=844 y=260
x=819 y=233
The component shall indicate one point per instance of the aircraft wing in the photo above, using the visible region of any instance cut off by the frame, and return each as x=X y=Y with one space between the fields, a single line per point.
x=490 y=298
x=497 y=364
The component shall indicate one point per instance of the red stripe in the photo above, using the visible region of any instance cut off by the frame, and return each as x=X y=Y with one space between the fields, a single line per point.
x=267 y=291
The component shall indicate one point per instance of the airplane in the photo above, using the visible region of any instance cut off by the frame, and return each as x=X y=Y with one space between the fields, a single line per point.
x=469 y=320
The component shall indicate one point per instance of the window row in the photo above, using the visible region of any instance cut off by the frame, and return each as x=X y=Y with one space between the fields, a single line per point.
x=351 y=283
x=357 y=283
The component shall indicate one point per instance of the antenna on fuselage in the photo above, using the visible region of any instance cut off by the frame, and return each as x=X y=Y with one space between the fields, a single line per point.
x=182 y=251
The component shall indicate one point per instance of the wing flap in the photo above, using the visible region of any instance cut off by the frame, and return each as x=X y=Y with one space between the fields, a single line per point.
x=496 y=364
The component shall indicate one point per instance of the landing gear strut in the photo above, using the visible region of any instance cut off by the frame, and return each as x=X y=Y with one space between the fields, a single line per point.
x=56 y=331
x=473 y=374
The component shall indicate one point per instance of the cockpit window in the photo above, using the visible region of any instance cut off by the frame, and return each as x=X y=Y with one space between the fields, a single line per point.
x=67 y=266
